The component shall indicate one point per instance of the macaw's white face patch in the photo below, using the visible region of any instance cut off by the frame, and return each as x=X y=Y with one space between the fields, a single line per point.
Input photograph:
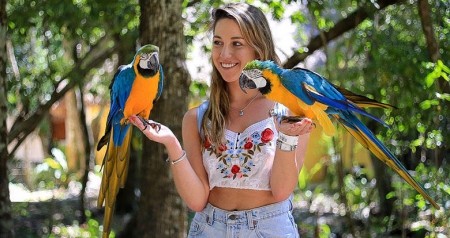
x=146 y=60
x=256 y=76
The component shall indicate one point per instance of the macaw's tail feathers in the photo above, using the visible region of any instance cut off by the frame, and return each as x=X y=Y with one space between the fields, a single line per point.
x=115 y=172
x=362 y=101
x=364 y=136
x=107 y=221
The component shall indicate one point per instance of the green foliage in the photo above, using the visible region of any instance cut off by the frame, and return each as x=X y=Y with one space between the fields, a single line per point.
x=421 y=214
x=384 y=58
x=439 y=70
x=53 y=172
x=50 y=37
x=199 y=91
x=92 y=228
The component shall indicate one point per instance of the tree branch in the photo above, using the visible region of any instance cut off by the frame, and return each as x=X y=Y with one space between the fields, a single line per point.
x=341 y=27
x=21 y=129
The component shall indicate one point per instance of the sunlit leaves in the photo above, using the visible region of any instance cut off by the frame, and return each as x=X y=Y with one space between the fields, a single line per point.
x=428 y=103
x=49 y=37
x=439 y=70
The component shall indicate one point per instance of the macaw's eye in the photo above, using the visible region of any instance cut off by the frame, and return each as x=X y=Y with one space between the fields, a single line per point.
x=144 y=56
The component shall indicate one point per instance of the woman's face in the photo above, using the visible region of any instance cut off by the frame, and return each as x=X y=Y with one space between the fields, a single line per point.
x=230 y=51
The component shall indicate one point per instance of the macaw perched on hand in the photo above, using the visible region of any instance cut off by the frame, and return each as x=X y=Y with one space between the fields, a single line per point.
x=308 y=94
x=134 y=89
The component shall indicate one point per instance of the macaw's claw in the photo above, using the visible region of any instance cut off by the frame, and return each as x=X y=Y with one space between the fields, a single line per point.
x=291 y=119
x=154 y=125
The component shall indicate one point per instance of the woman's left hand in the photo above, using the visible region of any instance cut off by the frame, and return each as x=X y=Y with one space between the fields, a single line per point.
x=302 y=127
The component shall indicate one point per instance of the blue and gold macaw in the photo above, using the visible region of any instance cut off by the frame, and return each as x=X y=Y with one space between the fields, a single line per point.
x=134 y=89
x=308 y=94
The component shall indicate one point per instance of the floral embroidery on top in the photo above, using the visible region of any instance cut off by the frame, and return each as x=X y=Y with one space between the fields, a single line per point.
x=235 y=157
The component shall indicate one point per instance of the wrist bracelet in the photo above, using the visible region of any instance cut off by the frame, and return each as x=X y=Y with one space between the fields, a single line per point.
x=290 y=140
x=285 y=147
x=286 y=143
x=178 y=160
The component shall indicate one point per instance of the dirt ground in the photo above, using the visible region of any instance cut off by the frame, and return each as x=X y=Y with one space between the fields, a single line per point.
x=41 y=213
x=37 y=214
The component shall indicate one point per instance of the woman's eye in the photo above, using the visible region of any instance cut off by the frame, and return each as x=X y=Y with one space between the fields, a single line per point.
x=217 y=42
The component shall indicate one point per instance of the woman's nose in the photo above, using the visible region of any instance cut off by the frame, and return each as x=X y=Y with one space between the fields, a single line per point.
x=226 y=52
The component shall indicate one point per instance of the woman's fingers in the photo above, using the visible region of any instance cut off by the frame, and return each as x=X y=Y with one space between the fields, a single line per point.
x=297 y=128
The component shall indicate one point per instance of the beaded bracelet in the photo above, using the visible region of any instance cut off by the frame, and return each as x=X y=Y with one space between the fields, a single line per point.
x=178 y=160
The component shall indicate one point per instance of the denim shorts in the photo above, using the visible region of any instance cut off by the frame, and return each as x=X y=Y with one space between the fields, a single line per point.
x=274 y=220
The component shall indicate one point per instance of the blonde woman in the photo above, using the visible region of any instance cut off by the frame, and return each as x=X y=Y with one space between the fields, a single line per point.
x=234 y=171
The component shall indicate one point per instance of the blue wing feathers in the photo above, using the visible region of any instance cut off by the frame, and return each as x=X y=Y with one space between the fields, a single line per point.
x=120 y=91
x=324 y=92
x=160 y=83
x=339 y=105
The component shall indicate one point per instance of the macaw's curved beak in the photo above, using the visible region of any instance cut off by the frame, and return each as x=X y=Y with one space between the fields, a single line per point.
x=245 y=82
x=153 y=63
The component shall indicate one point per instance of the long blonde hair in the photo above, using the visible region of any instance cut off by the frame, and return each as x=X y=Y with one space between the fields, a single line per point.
x=256 y=32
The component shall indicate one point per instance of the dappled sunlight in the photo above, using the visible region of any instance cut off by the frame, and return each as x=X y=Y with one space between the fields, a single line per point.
x=19 y=193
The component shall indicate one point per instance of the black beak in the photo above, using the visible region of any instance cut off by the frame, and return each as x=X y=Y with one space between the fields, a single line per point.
x=245 y=82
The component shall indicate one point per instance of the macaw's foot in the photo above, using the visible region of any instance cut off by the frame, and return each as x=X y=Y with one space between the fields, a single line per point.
x=124 y=121
x=153 y=124
x=293 y=119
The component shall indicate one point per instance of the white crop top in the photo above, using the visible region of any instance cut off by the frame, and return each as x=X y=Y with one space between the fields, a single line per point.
x=246 y=160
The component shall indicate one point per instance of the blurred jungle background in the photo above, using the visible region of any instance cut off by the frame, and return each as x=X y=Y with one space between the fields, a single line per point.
x=57 y=59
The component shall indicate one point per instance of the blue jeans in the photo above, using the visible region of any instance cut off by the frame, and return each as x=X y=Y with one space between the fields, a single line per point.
x=274 y=220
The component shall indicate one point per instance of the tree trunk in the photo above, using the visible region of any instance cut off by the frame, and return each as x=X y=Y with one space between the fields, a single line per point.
x=6 y=222
x=75 y=153
x=86 y=134
x=432 y=42
x=161 y=211
x=383 y=178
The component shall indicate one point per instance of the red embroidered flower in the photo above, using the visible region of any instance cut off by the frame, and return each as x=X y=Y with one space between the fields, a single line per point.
x=235 y=169
x=207 y=143
x=248 y=145
x=222 y=147
x=266 y=135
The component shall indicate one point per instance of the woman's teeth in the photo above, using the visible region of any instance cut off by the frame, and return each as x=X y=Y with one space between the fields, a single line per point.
x=228 y=65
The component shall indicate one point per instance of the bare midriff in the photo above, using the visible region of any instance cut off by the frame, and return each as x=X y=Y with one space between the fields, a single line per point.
x=233 y=199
